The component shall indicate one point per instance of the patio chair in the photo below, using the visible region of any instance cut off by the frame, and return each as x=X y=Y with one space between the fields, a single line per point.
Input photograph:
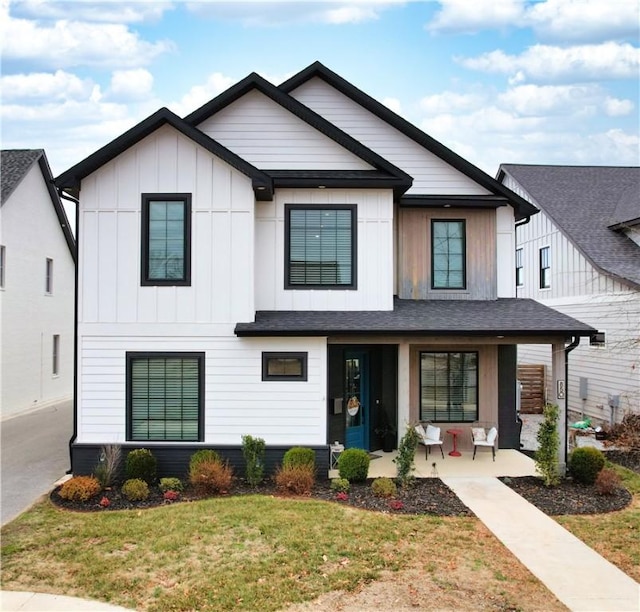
x=429 y=438
x=481 y=437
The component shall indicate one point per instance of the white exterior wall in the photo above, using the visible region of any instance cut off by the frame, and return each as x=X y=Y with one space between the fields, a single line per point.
x=505 y=252
x=431 y=175
x=270 y=137
x=31 y=233
x=374 y=254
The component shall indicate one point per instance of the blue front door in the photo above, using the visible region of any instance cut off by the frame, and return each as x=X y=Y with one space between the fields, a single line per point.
x=356 y=396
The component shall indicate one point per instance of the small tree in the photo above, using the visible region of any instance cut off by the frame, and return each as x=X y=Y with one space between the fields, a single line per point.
x=546 y=457
x=406 y=454
x=253 y=452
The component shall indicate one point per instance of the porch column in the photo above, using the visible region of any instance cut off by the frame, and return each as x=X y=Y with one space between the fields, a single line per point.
x=403 y=388
x=559 y=395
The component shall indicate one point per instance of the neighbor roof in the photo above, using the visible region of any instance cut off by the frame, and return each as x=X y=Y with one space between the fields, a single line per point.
x=588 y=204
x=15 y=164
x=502 y=317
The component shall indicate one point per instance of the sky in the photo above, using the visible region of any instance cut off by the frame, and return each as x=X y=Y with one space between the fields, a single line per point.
x=497 y=81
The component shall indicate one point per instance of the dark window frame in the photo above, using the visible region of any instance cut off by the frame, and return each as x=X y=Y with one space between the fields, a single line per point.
x=544 y=267
x=48 y=276
x=3 y=264
x=130 y=357
x=55 y=355
x=302 y=356
x=147 y=199
x=519 y=267
x=354 y=246
x=432 y=418
x=462 y=287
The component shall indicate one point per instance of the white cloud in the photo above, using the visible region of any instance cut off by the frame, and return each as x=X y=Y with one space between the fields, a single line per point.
x=131 y=84
x=73 y=43
x=471 y=16
x=615 y=107
x=394 y=104
x=50 y=86
x=535 y=100
x=109 y=11
x=200 y=94
x=449 y=101
x=350 y=14
x=544 y=63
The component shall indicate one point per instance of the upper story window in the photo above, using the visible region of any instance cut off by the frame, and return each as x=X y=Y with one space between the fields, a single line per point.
x=519 y=269
x=48 y=279
x=55 y=356
x=320 y=247
x=166 y=239
x=3 y=256
x=448 y=270
x=165 y=396
x=545 y=267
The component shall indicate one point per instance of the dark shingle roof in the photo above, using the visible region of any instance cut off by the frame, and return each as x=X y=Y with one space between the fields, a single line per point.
x=505 y=317
x=585 y=202
x=15 y=165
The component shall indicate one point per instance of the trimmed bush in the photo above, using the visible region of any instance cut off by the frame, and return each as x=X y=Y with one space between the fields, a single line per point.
x=384 y=487
x=135 y=489
x=295 y=479
x=607 y=482
x=204 y=455
x=141 y=464
x=353 y=464
x=299 y=455
x=340 y=485
x=211 y=477
x=171 y=484
x=546 y=457
x=585 y=463
x=80 y=488
x=406 y=454
x=253 y=453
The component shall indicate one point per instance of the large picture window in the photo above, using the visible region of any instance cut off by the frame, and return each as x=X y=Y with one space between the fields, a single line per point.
x=165 y=396
x=320 y=247
x=448 y=387
x=166 y=237
x=448 y=270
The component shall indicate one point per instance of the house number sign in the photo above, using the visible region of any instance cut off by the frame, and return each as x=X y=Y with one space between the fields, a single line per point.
x=560 y=393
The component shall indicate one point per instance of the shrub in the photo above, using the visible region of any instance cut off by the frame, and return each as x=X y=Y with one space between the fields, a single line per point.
x=299 y=455
x=384 y=487
x=203 y=455
x=342 y=496
x=341 y=485
x=80 y=488
x=353 y=464
x=108 y=468
x=585 y=463
x=295 y=479
x=171 y=484
x=546 y=457
x=104 y=502
x=406 y=454
x=396 y=504
x=135 y=489
x=253 y=453
x=141 y=464
x=211 y=477
x=171 y=495
x=607 y=482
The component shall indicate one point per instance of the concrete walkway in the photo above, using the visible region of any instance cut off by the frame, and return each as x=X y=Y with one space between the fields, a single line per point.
x=14 y=601
x=578 y=576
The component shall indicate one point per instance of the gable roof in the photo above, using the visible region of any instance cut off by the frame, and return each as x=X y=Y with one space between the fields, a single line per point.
x=522 y=208
x=15 y=164
x=70 y=180
x=586 y=203
x=400 y=179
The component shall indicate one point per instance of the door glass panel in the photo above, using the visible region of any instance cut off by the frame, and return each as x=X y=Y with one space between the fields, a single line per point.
x=353 y=392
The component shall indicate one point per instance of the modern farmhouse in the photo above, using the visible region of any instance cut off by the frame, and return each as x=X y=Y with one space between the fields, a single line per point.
x=297 y=263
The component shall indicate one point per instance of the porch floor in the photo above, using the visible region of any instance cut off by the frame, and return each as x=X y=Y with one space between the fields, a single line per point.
x=508 y=463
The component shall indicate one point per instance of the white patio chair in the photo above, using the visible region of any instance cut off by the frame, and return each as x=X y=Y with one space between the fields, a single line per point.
x=482 y=437
x=429 y=438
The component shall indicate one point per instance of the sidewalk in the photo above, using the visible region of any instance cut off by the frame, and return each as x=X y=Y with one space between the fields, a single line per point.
x=14 y=601
x=578 y=576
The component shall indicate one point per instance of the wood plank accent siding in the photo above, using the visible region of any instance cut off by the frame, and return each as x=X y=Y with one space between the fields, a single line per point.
x=532 y=397
x=414 y=259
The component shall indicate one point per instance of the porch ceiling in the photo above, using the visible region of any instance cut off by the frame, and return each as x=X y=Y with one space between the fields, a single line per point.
x=506 y=317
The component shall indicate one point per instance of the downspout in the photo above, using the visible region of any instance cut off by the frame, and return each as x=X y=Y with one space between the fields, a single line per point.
x=74 y=435
x=567 y=350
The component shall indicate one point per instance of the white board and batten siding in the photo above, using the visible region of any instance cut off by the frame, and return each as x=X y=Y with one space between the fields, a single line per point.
x=237 y=401
x=270 y=137
x=431 y=175
x=374 y=290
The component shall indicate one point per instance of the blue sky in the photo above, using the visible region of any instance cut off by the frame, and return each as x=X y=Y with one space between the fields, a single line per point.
x=519 y=81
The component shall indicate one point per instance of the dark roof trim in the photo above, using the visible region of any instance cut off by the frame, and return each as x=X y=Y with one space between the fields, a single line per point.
x=624 y=224
x=342 y=179
x=70 y=180
x=522 y=207
x=454 y=201
x=255 y=81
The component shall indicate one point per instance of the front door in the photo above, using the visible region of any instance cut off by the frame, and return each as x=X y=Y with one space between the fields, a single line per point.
x=356 y=397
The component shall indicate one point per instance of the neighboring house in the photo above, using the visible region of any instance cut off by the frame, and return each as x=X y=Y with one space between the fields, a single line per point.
x=297 y=263
x=581 y=256
x=37 y=279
